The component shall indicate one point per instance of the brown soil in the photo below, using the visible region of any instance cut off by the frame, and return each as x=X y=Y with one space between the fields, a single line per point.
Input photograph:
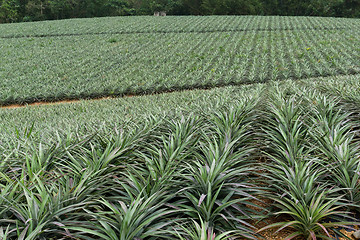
x=272 y=234
x=12 y=106
x=348 y=234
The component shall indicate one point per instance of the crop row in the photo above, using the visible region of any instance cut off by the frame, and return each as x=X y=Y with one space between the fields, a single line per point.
x=101 y=115
x=172 y=24
x=192 y=177
x=36 y=69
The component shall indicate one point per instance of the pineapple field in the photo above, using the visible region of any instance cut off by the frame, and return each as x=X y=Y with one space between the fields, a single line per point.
x=141 y=55
x=211 y=128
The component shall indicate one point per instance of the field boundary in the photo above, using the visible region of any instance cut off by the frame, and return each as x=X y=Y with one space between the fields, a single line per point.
x=129 y=95
x=160 y=90
x=164 y=32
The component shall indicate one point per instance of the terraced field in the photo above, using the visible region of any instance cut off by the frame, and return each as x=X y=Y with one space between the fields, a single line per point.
x=263 y=143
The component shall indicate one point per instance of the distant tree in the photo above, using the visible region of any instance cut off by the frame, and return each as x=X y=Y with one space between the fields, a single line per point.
x=321 y=7
x=119 y=8
x=270 y=7
x=231 y=7
x=35 y=10
x=193 y=7
x=60 y=9
x=92 y=8
x=156 y=5
x=351 y=8
x=243 y=7
x=9 y=11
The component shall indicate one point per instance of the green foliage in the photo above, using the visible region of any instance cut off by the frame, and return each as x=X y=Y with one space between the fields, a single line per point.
x=115 y=56
x=191 y=173
x=90 y=180
x=231 y=7
x=184 y=165
x=334 y=136
x=298 y=172
x=9 y=11
x=35 y=10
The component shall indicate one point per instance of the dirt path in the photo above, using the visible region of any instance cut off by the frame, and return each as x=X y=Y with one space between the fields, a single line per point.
x=14 y=106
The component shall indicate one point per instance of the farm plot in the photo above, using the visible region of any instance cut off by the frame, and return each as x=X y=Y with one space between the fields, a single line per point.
x=146 y=24
x=89 y=116
x=292 y=145
x=181 y=165
x=72 y=67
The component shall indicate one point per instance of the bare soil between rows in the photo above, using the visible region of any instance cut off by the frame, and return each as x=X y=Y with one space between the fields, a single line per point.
x=273 y=234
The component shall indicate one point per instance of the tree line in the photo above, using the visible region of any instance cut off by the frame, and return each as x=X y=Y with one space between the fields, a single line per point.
x=36 y=10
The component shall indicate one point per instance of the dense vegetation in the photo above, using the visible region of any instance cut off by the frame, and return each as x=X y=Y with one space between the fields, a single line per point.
x=89 y=116
x=34 y=10
x=275 y=147
x=191 y=174
x=76 y=58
